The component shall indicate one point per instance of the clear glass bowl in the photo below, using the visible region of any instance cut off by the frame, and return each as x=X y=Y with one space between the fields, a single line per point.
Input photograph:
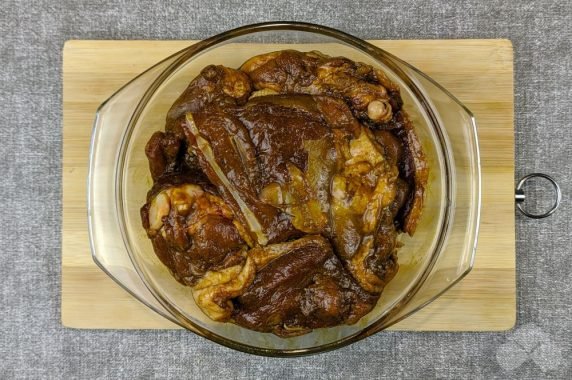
x=439 y=254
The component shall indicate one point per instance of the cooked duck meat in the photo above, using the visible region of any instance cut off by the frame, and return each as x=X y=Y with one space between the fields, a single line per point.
x=183 y=222
x=372 y=97
x=415 y=171
x=305 y=287
x=280 y=190
x=227 y=156
x=215 y=85
x=370 y=94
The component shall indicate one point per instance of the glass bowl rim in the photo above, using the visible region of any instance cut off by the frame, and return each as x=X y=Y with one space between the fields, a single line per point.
x=375 y=52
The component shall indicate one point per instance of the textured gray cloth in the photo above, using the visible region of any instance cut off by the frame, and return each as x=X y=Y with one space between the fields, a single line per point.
x=33 y=344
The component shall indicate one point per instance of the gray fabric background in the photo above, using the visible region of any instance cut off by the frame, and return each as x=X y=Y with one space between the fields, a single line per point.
x=33 y=343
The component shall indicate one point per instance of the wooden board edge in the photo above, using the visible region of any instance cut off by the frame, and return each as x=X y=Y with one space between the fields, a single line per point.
x=511 y=323
x=65 y=319
x=62 y=295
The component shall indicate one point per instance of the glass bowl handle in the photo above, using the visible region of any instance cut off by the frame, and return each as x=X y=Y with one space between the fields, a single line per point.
x=460 y=141
x=106 y=241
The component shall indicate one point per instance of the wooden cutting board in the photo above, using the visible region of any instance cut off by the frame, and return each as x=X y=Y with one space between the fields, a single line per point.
x=478 y=72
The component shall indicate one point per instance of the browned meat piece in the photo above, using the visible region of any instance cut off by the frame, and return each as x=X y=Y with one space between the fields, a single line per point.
x=227 y=156
x=276 y=180
x=362 y=192
x=295 y=153
x=262 y=171
x=215 y=85
x=402 y=147
x=158 y=163
x=193 y=231
x=304 y=288
x=168 y=156
x=372 y=97
x=392 y=146
x=214 y=291
x=370 y=94
x=162 y=151
x=254 y=152
x=281 y=207
x=413 y=168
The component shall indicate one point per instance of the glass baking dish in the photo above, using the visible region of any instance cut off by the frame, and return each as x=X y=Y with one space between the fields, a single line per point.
x=439 y=255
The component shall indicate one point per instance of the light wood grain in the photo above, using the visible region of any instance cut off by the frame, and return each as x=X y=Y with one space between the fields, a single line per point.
x=484 y=301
